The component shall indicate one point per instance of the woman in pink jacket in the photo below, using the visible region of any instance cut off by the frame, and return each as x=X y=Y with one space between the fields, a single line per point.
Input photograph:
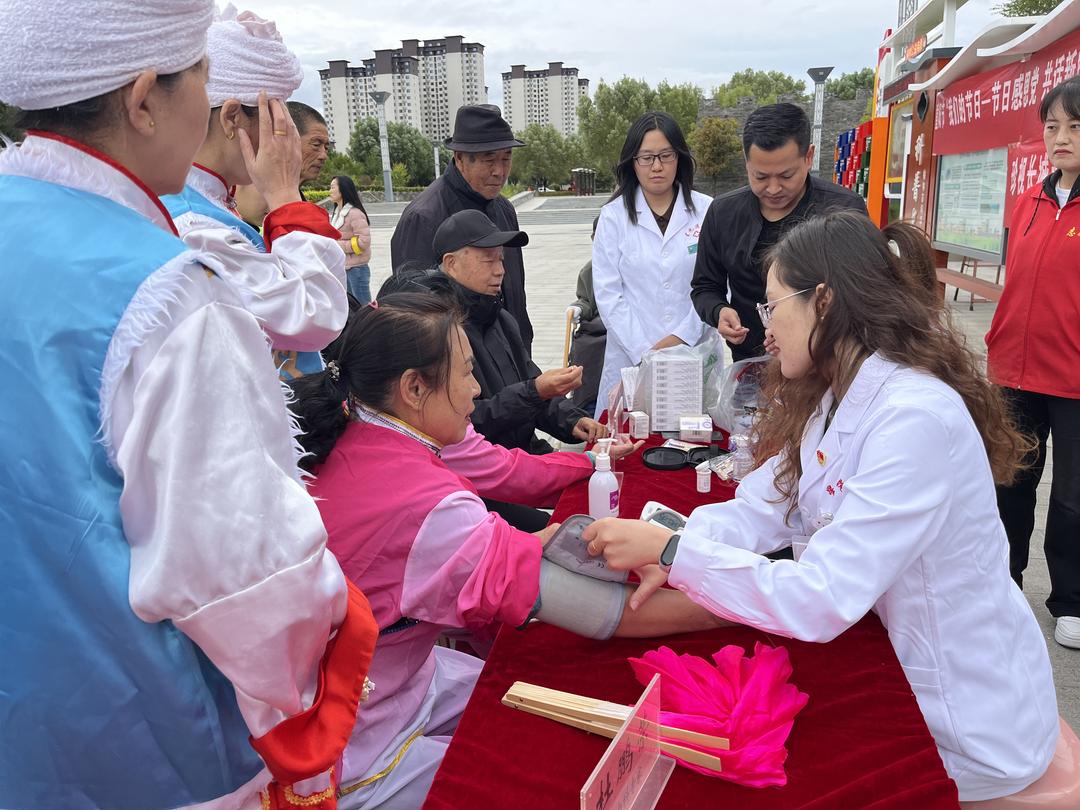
x=415 y=535
x=351 y=219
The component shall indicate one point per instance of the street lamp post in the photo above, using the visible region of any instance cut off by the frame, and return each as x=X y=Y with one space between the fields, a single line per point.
x=819 y=75
x=435 y=142
x=380 y=97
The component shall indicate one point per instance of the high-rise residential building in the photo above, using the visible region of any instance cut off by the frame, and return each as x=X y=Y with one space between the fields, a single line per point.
x=547 y=97
x=427 y=82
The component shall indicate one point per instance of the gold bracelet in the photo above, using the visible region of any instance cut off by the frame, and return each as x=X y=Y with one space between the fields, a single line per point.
x=356 y=245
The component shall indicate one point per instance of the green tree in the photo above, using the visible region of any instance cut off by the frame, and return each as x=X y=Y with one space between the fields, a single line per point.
x=339 y=163
x=7 y=122
x=547 y=156
x=399 y=175
x=847 y=85
x=604 y=120
x=716 y=147
x=764 y=86
x=407 y=145
x=1027 y=8
x=682 y=102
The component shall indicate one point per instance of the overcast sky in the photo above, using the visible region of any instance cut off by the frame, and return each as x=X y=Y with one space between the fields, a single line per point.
x=692 y=41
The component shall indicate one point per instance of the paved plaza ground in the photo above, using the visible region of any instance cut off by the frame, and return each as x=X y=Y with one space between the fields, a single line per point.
x=559 y=245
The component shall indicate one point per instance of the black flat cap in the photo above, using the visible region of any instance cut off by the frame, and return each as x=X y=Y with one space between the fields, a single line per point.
x=472 y=228
x=481 y=128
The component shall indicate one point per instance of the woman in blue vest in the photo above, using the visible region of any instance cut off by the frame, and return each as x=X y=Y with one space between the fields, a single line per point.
x=290 y=277
x=166 y=597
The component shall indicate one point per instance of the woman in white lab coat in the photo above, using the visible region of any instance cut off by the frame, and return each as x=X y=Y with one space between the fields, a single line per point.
x=878 y=469
x=645 y=247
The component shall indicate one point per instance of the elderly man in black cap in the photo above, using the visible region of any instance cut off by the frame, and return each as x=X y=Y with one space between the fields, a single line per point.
x=482 y=144
x=515 y=397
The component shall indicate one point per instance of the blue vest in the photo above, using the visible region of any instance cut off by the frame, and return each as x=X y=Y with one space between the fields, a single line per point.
x=98 y=709
x=290 y=364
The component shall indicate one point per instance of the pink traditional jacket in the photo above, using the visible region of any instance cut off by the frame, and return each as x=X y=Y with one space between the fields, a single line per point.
x=415 y=536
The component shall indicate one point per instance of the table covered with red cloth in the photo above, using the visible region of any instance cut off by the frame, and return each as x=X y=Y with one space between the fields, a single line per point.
x=860 y=742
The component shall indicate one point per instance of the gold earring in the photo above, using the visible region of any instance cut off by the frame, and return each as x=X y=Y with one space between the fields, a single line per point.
x=230 y=135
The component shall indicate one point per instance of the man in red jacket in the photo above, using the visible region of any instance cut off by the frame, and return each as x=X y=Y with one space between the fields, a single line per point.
x=1033 y=352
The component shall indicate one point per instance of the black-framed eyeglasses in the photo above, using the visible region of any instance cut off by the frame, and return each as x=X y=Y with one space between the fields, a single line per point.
x=665 y=157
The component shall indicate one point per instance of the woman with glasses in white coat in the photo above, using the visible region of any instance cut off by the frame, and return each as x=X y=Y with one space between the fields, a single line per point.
x=877 y=467
x=645 y=248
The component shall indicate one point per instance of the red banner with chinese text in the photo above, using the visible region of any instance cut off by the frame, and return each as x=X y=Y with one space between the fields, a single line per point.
x=1028 y=165
x=1001 y=107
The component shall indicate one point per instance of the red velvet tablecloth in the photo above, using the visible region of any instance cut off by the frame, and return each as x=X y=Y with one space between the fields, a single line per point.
x=861 y=741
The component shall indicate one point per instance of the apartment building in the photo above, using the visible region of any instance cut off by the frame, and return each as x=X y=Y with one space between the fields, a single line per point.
x=427 y=80
x=548 y=97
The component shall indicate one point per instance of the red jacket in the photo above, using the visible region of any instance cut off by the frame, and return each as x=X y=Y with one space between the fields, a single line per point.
x=1034 y=340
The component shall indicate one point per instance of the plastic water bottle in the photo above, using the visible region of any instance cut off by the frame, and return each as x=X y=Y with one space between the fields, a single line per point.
x=744 y=460
x=603 y=486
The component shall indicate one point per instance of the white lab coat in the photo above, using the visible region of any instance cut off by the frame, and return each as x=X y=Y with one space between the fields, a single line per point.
x=641 y=280
x=901 y=492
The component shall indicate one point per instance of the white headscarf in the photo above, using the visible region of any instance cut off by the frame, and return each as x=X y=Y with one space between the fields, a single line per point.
x=57 y=52
x=246 y=56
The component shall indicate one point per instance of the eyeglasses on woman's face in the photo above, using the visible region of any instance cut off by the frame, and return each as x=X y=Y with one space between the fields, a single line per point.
x=765 y=311
x=646 y=159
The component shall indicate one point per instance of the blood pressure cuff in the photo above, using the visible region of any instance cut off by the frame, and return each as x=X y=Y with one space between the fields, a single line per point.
x=589 y=607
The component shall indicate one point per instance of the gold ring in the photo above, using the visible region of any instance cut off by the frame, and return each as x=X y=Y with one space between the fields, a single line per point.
x=280 y=132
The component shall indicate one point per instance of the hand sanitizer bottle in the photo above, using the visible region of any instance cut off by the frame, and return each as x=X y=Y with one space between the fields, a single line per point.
x=603 y=486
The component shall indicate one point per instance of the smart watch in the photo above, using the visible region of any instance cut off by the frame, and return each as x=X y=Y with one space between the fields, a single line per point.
x=667 y=556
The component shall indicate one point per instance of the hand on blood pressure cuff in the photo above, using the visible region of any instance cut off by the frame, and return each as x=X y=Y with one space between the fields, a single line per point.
x=589 y=607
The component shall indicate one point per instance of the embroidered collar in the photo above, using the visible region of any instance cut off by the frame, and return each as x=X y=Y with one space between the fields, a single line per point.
x=66 y=162
x=212 y=186
x=385 y=420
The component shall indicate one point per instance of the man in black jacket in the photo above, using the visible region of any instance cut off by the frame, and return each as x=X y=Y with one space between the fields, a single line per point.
x=741 y=226
x=515 y=397
x=482 y=144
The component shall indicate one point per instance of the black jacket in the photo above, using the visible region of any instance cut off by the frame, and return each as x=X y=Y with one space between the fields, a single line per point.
x=450 y=193
x=508 y=408
x=729 y=233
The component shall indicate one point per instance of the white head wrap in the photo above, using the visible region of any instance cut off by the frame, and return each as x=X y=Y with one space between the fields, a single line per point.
x=246 y=56
x=57 y=52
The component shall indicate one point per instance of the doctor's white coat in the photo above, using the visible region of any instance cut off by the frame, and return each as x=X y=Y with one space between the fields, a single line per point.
x=641 y=280
x=896 y=514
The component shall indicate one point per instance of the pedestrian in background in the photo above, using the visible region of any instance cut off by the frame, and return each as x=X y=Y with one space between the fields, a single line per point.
x=352 y=220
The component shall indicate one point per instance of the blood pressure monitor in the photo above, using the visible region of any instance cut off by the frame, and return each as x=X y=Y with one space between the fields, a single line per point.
x=659 y=514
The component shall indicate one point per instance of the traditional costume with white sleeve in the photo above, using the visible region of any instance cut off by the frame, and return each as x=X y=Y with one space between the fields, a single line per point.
x=166 y=597
x=896 y=514
x=291 y=277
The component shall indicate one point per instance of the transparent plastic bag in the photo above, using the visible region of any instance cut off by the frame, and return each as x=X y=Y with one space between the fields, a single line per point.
x=707 y=354
x=738 y=394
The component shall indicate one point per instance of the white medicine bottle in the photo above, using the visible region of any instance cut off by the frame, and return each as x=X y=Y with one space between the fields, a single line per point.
x=603 y=486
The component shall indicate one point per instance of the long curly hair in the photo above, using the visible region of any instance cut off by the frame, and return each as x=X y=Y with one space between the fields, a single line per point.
x=878 y=303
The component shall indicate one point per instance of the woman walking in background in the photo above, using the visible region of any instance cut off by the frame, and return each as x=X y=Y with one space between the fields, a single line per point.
x=351 y=219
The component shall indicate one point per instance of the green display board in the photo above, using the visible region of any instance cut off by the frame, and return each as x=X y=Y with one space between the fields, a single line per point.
x=970 y=216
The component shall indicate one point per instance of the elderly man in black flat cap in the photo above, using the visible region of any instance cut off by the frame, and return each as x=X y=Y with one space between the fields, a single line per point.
x=482 y=144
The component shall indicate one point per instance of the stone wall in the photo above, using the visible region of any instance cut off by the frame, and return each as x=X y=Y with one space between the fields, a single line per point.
x=839 y=115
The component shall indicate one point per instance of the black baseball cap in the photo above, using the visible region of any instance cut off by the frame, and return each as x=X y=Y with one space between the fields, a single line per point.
x=473 y=228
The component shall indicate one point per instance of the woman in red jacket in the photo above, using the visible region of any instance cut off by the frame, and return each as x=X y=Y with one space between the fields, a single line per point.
x=1033 y=353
